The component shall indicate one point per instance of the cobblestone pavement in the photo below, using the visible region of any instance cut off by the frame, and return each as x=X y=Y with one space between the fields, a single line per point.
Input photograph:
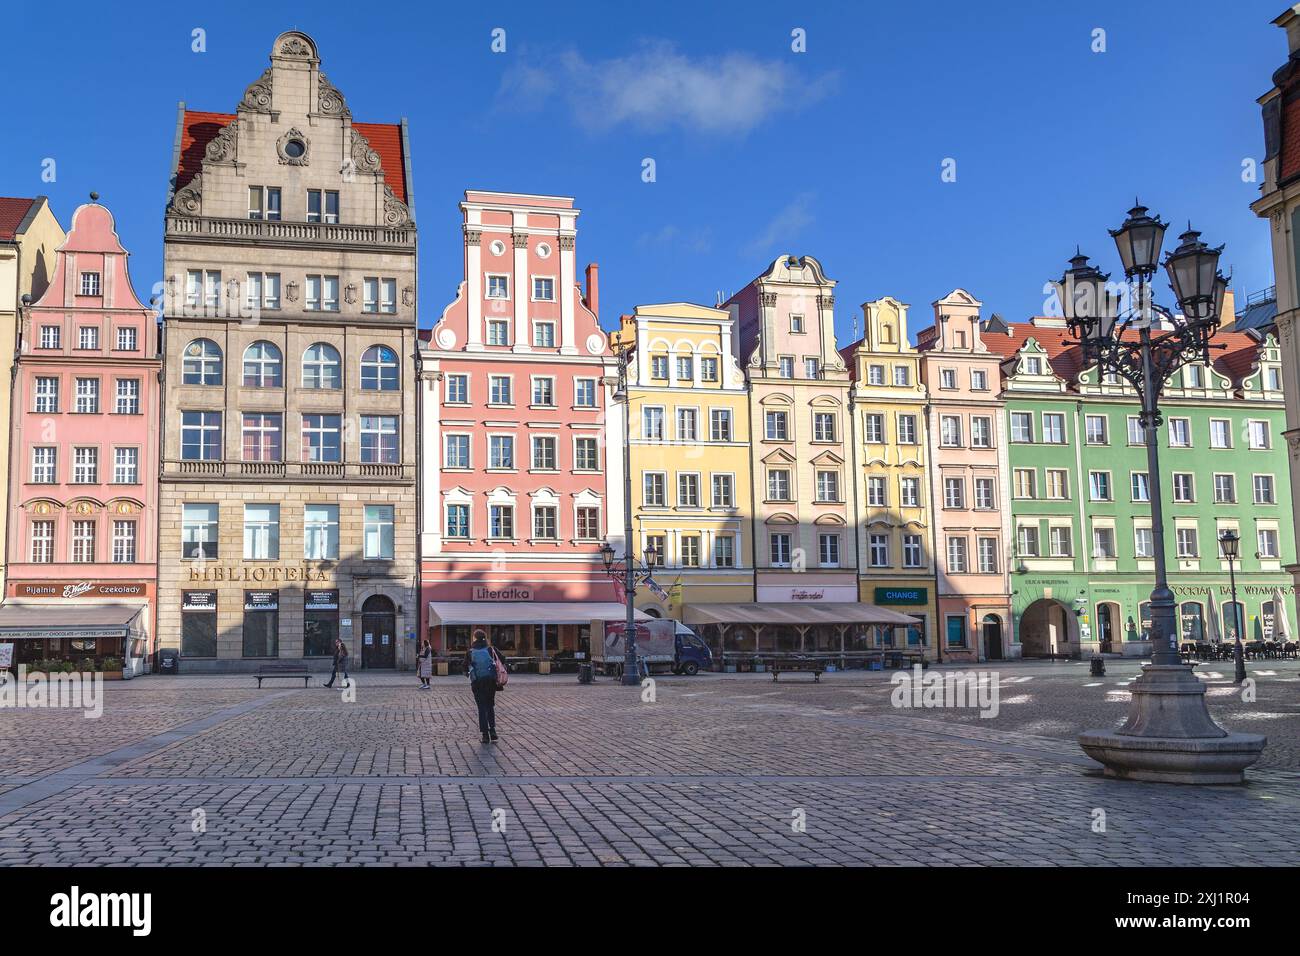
x=718 y=770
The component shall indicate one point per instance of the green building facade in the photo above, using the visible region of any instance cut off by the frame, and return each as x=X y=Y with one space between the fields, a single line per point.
x=1076 y=477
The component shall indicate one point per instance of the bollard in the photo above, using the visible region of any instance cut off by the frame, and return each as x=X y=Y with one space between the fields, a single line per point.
x=1098 y=666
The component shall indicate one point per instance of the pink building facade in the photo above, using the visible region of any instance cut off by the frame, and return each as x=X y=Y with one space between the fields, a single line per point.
x=968 y=476
x=516 y=385
x=82 y=538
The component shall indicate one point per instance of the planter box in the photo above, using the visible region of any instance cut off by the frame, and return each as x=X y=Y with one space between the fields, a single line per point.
x=112 y=675
x=440 y=668
x=729 y=668
x=543 y=667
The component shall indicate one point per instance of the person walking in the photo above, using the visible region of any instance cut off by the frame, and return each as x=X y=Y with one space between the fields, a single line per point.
x=425 y=665
x=340 y=663
x=481 y=663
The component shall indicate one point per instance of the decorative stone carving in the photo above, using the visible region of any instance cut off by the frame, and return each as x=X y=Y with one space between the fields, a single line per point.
x=769 y=299
x=188 y=200
x=329 y=101
x=364 y=159
x=222 y=147
x=446 y=338
x=350 y=293
x=296 y=45
x=595 y=343
x=257 y=98
x=473 y=237
x=408 y=296
x=291 y=291
x=567 y=243
x=396 y=212
x=281 y=144
x=826 y=302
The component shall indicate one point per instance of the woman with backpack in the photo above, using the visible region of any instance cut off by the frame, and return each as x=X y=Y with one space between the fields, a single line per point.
x=425 y=664
x=486 y=673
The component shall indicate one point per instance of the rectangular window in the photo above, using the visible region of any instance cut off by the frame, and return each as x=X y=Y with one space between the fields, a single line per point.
x=88 y=337
x=724 y=551
x=588 y=523
x=954 y=493
x=201 y=436
x=957 y=555
x=979 y=380
x=584 y=392
x=261 y=532
x=543 y=289
x=1025 y=484
x=1264 y=490
x=779 y=550
x=127 y=339
x=690 y=551
x=984 y=499
x=988 y=555
x=1225 y=489
x=873 y=428
x=498 y=332
x=877 y=491
x=1180 y=433
x=1136 y=433
x=654 y=551
x=652 y=423
x=83 y=542
x=1193 y=376
x=687 y=424
x=685 y=369
x=128 y=397
x=785 y=366
x=1022 y=427
x=498 y=287
x=85 y=466
x=1184 y=487
x=544 y=453
x=1143 y=543
x=688 y=490
x=907 y=429
x=796 y=323
x=1267 y=542
x=659 y=366
x=1220 y=433
x=776 y=426
x=262 y=437
x=1058 y=483
x=123 y=542
x=320 y=622
x=87 y=396
x=1061 y=542
x=199 y=530
x=909 y=492
x=544 y=392
x=544 y=335
x=320 y=534
x=912 y=551
x=1259 y=436
x=1187 y=544
x=50 y=336
x=501 y=522
x=828 y=550
x=778 y=484
x=824 y=427
x=654 y=493
x=1053 y=428
x=878 y=550
x=47 y=395
x=126 y=466
x=457 y=523
x=828 y=487
x=811 y=368
x=546 y=526
x=586 y=454
x=1095 y=430
x=378 y=532
x=1140 y=485
x=723 y=496
x=902 y=376
x=322 y=205
x=457 y=390
x=321 y=438
x=981 y=432
x=720 y=424
x=261 y=633
x=379 y=439
x=1103 y=543
x=1099 y=485
x=455 y=451
x=950 y=431
x=1027 y=541
x=90 y=283
x=499 y=390
x=501 y=451
x=42 y=548
x=947 y=378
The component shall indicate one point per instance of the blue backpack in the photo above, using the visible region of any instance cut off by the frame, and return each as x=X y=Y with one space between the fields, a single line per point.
x=482 y=665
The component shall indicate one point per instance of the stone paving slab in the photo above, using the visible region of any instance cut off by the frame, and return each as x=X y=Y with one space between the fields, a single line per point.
x=719 y=770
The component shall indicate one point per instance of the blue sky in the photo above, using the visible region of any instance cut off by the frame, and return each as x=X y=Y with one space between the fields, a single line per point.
x=758 y=150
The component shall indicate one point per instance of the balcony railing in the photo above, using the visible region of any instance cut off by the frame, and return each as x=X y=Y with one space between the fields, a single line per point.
x=288 y=471
x=289 y=233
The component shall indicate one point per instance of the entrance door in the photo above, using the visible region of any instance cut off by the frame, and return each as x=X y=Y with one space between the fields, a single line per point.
x=992 y=637
x=378 y=633
x=1106 y=627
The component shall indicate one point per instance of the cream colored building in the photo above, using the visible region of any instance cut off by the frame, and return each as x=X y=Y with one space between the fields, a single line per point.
x=887 y=409
x=288 y=504
x=690 y=456
x=29 y=237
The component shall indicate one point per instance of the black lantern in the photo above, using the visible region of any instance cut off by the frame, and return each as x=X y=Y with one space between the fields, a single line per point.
x=1090 y=308
x=649 y=555
x=1229 y=545
x=1193 y=270
x=607 y=555
x=1138 y=241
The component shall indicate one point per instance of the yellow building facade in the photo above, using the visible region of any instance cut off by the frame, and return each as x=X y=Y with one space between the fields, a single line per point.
x=29 y=237
x=692 y=497
x=894 y=527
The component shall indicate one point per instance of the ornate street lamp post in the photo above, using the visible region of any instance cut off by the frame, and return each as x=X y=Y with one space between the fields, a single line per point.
x=1169 y=735
x=1230 y=549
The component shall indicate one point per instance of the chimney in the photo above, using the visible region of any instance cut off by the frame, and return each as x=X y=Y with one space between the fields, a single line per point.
x=1290 y=21
x=593 y=289
x=1229 y=315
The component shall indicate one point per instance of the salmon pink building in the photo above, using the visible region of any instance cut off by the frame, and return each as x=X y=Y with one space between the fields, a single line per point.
x=83 y=475
x=517 y=490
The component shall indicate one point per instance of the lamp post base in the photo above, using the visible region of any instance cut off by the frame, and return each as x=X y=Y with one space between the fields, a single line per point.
x=1170 y=736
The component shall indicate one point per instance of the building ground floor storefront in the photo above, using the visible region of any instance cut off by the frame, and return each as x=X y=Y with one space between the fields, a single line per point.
x=975 y=627
x=84 y=625
x=910 y=596
x=1072 y=616
x=235 y=618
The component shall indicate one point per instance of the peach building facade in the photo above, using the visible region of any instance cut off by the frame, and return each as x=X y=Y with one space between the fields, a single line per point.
x=968 y=469
x=83 y=488
x=520 y=479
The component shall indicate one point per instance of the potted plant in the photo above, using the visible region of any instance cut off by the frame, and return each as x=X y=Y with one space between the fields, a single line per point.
x=112 y=668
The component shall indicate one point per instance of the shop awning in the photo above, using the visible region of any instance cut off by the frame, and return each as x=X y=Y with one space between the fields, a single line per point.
x=53 y=621
x=795 y=615
x=528 y=612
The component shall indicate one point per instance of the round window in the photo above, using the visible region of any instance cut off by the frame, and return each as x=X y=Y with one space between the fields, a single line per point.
x=498 y=247
x=295 y=148
x=543 y=250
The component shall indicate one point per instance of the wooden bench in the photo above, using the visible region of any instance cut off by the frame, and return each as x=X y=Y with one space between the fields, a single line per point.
x=811 y=665
x=273 y=671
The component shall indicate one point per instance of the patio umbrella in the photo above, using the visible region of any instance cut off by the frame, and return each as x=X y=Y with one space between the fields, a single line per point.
x=1212 y=634
x=1281 y=623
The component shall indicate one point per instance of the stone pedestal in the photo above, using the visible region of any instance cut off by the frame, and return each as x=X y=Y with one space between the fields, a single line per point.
x=1170 y=737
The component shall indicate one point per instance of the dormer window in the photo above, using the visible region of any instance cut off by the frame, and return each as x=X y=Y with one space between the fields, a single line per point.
x=1033 y=366
x=90 y=283
x=959 y=339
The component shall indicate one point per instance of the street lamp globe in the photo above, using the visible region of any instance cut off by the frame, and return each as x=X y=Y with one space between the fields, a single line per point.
x=650 y=553
x=1138 y=241
x=607 y=555
x=1089 y=307
x=1193 y=270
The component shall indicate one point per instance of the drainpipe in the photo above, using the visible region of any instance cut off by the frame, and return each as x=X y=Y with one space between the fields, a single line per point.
x=940 y=626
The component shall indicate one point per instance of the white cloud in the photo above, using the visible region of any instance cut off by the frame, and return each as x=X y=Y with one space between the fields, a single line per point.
x=658 y=87
x=789 y=221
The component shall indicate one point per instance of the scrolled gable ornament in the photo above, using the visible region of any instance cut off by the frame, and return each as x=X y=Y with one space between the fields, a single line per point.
x=223 y=147
x=188 y=200
x=294 y=45
x=329 y=101
x=257 y=98
x=396 y=212
x=364 y=159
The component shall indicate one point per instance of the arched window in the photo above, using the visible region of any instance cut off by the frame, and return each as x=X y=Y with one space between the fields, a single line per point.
x=379 y=369
x=262 y=366
x=1193 y=622
x=321 y=367
x=202 y=363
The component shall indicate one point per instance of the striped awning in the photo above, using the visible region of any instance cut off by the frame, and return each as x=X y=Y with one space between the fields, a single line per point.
x=794 y=614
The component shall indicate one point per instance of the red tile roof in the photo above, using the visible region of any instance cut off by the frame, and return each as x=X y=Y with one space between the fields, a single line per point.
x=1234 y=354
x=12 y=214
x=199 y=129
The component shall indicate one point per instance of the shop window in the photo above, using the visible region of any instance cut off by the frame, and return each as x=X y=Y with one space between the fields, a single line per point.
x=456 y=637
x=198 y=624
x=261 y=623
x=320 y=623
x=503 y=637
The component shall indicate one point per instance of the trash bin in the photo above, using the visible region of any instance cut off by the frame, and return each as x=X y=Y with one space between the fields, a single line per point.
x=1098 y=666
x=169 y=661
x=586 y=673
